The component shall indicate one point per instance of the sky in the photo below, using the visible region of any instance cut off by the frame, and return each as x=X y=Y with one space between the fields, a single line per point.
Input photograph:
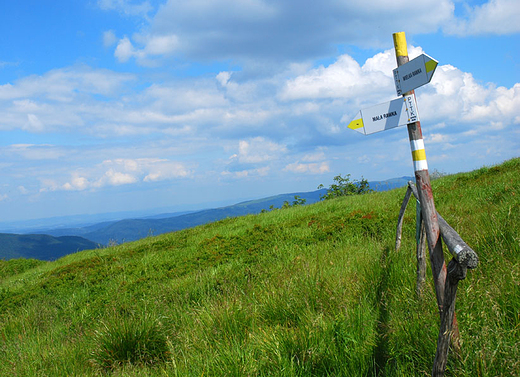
x=123 y=105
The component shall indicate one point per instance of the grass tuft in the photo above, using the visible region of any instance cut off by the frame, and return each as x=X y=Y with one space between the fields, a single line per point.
x=130 y=339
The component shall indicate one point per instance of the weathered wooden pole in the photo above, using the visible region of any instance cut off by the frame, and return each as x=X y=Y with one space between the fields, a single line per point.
x=447 y=332
x=422 y=178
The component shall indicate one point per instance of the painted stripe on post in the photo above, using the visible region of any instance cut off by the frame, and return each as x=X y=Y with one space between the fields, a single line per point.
x=401 y=48
x=420 y=165
x=418 y=155
x=417 y=144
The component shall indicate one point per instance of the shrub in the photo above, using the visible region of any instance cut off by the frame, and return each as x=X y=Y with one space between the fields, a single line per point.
x=343 y=186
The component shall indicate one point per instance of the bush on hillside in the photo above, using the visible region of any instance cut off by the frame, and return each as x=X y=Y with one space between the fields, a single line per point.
x=343 y=186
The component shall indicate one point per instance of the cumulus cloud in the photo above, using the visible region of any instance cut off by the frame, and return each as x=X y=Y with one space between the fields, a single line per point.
x=120 y=171
x=346 y=78
x=455 y=95
x=235 y=125
x=312 y=168
x=257 y=150
x=493 y=17
x=64 y=84
x=289 y=29
x=153 y=45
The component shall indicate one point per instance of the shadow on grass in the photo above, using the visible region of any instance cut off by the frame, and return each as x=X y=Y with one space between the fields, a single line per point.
x=380 y=350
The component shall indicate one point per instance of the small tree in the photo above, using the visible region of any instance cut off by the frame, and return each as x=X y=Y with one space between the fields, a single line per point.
x=298 y=201
x=343 y=186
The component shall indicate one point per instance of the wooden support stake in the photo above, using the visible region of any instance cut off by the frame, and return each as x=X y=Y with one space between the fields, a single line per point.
x=422 y=179
x=456 y=272
x=401 y=218
x=421 y=251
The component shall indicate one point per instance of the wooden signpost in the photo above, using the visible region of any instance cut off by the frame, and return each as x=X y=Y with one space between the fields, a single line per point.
x=408 y=76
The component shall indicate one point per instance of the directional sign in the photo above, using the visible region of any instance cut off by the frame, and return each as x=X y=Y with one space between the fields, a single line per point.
x=414 y=74
x=385 y=116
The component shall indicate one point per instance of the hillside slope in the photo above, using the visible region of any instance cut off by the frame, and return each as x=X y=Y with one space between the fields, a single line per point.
x=134 y=229
x=41 y=246
x=304 y=291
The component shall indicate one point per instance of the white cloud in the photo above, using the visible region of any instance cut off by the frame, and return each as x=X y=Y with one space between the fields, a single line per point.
x=23 y=190
x=64 y=84
x=312 y=168
x=457 y=96
x=258 y=150
x=289 y=29
x=34 y=124
x=223 y=77
x=248 y=173
x=154 y=45
x=122 y=171
x=31 y=152
x=76 y=183
x=124 y=50
x=109 y=38
x=493 y=17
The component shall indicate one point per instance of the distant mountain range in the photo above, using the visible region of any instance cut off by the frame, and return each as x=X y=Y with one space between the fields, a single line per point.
x=133 y=229
x=41 y=246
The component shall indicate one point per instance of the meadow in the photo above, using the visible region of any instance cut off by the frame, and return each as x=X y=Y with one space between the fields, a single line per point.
x=314 y=290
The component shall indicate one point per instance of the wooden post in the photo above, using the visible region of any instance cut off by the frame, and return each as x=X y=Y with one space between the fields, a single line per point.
x=456 y=272
x=422 y=177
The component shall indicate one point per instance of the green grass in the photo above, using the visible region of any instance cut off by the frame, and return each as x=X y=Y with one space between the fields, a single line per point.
x=306 y=291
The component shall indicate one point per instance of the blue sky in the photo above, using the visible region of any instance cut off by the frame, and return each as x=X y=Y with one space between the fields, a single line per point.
x=119 y=105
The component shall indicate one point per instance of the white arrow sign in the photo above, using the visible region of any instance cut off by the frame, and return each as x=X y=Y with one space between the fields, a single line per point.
x=414 y=74
x=385 y=116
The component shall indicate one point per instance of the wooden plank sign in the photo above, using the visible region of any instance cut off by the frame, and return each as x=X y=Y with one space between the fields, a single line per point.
x=415 y=73
x=385 y=116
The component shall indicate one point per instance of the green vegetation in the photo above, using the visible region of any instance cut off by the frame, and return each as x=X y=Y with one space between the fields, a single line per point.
x=310 y=290
x=343 y=186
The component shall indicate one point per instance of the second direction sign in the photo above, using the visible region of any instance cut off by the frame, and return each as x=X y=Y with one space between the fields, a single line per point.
x=414 y=74
x=384 y=116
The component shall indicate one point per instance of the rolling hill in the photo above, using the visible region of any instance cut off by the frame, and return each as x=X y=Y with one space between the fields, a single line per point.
x=134 y=229
x=315 y=290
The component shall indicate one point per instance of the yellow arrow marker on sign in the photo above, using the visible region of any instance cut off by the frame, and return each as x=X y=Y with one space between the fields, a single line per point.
x=355 y=124
x=430 y=66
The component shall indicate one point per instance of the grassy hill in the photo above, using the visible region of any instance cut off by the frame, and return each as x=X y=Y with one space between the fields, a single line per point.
x=306 y=291
x=41 y=246
x=135 y=229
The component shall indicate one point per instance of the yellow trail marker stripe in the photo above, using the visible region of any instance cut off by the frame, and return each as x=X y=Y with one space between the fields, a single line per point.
x=430 y=65
x=355 y=124
x=419 y=154
x=400 y=44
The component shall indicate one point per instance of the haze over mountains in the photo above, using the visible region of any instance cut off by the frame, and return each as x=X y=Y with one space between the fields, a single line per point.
x=66 y=240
